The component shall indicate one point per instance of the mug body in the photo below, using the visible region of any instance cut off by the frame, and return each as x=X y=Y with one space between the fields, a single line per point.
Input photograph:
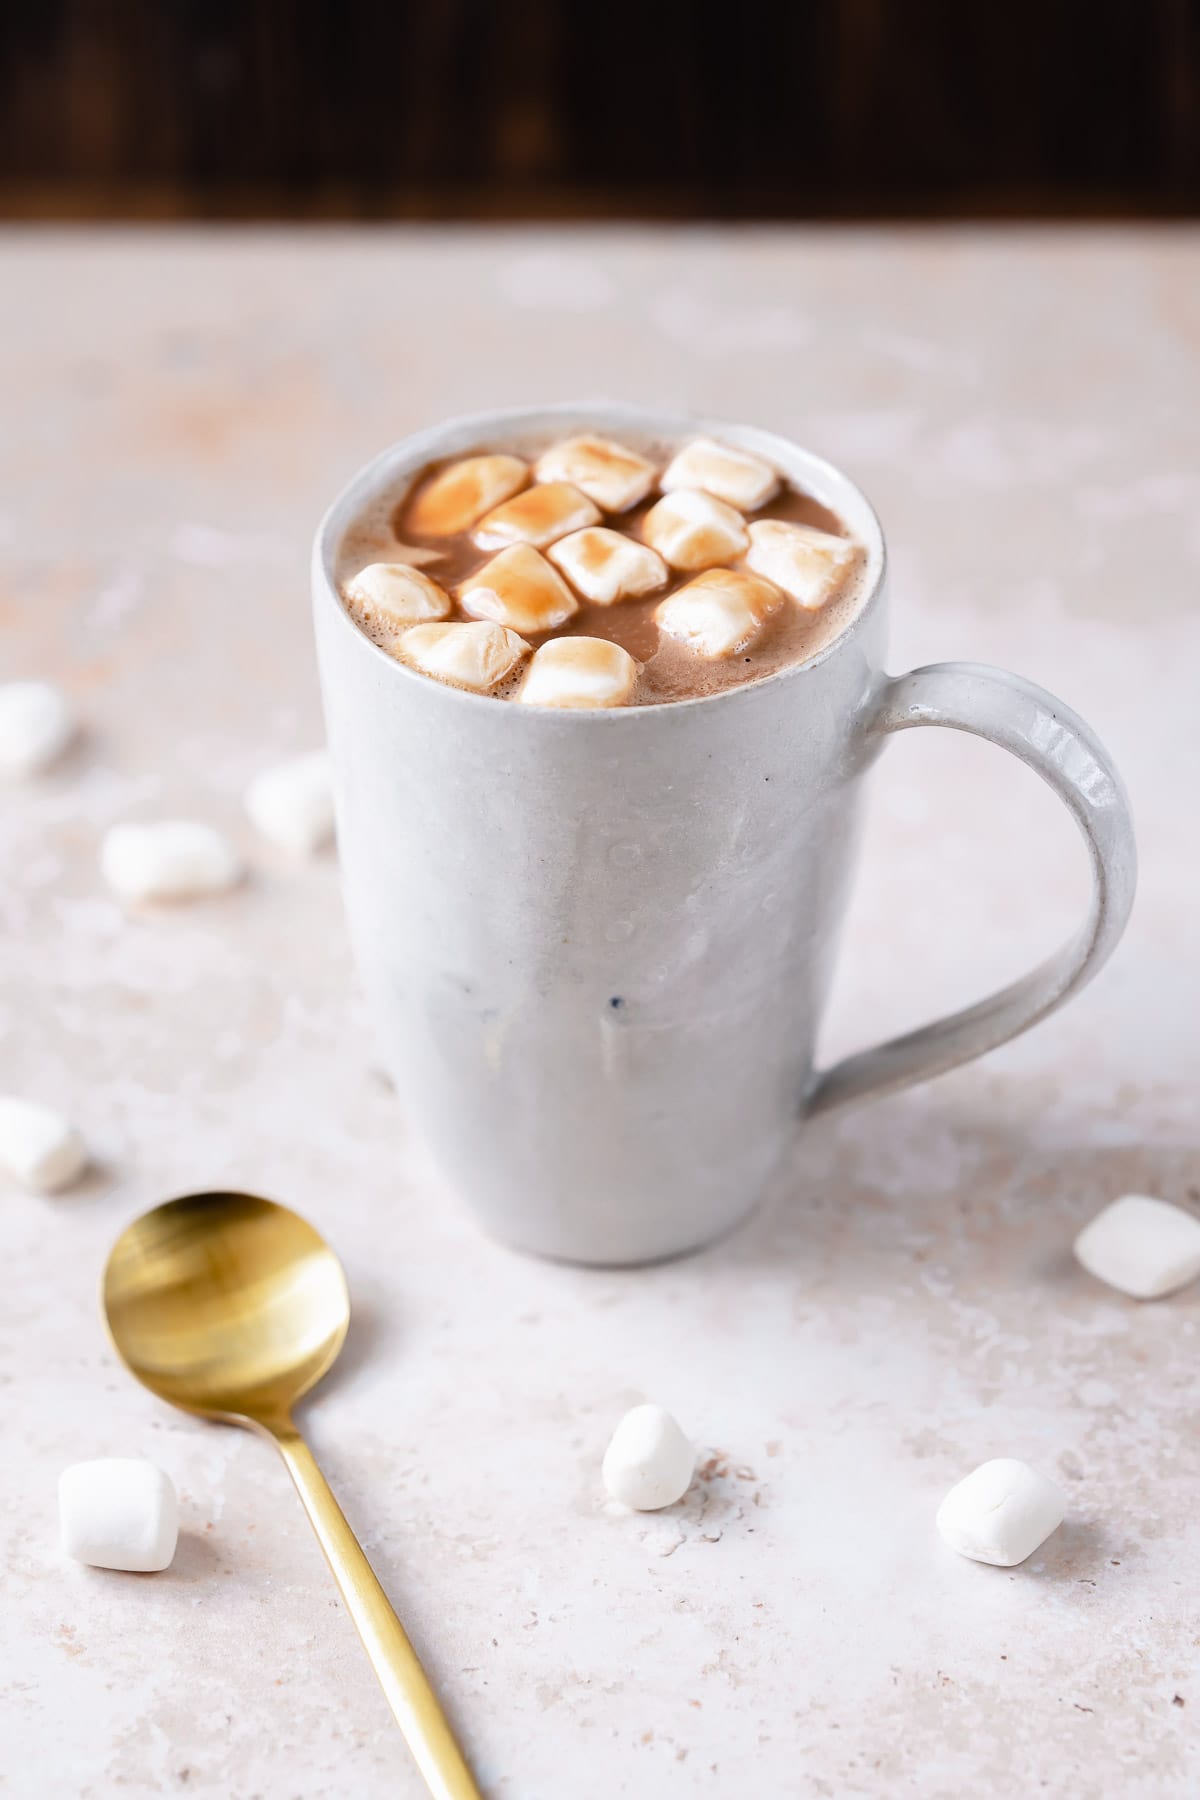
x=596 y=945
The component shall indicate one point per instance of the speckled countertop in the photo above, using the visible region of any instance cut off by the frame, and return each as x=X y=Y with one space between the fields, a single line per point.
x=1024 y=408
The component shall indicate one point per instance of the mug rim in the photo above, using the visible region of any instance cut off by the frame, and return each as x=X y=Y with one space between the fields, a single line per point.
x=823 y=479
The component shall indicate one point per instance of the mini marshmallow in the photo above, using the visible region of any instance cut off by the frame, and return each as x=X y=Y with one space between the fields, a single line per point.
x=119 y=1512
x=615 y=477
x=519 y=589
x=475 y=655
x=36 y=725
x=38 y=1147
x=173 y=859
x=719 y=612
x=456 y=497
x=536 y=517
x=733 y=475
x=808 y=564
x=292 y=803
x=579 y=671
x=1143 y=1247
x=694 y=531
x=1001 y=1513
x=395 y=595
x=649 y=1463
x=606 y=566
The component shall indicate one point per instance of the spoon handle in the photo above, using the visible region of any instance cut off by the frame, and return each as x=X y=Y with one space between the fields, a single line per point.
x=415 y=1705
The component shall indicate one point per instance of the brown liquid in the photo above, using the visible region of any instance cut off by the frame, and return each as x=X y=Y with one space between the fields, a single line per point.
x=669 y=670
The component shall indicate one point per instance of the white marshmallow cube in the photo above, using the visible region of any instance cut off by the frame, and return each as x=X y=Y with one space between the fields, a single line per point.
x=606 y=566
x=119 y=1512
x=694 y=531
x=394 y=595
x=733 y=475
x=649 y=1463
x=173 y=859
x=457 y=496
x=36 y=725
x=808 y=564
x=474 y=655
x=1143 y=1247
x=38 y=1147
x=615 y=477
x=579 y=671
x=720 y=612
x=536 y=517
x=1001 y=1512
x=292 y=803
x=520 y=589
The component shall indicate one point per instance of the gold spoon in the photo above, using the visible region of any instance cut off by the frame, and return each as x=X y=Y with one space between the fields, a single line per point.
x=233 y=1307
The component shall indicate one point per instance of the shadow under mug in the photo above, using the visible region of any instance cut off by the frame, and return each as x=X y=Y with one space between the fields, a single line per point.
x=596 y=945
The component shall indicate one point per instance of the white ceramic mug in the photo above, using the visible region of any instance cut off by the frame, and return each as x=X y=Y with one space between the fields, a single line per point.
x=596 y=945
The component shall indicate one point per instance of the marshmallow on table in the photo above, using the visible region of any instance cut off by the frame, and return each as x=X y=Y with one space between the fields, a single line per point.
x=1001 y=1512
x=806 y=563
x=615 y=477
x=292 y=803
x=475 y=655
x=649 y=1463
x=395 y=595
x=579 y=671
x=694 y=531
x=119 y=1512
x=536 y=517
x=38 y=1147
x=1144 y=1247
x=452 y=500
x=520 y=589
x=719 y=612
x=606 y=566
x=173 y=859
x=743 y=480
x=36 y=725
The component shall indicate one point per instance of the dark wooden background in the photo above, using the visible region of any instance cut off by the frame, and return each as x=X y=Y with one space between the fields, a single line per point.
x=556 y=108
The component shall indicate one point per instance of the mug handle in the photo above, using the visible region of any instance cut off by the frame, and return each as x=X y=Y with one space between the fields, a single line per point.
x=1012 y=712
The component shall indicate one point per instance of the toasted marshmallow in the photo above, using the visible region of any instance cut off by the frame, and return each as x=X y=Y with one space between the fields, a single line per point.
x=536 y=517
x=733 y=475
x=473 y=655
x=579 y=671
x=719 y=612
x=694 y=531
x=455 y=498
x=808 y=564
x=606 y=566
x=395 y=595
x=520 y=589
x=614 y=477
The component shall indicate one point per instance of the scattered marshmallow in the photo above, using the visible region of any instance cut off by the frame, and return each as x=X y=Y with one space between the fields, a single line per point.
x=579 y=671
x=1143 y=1247
x=719 y=612
x=1001 y=1513
x=119 y=1512
x=536 y=517
x=606 y=566
x=615 y=477
x=173 y=859
x=456 y=497
x=396 y=595
x=694 y=531
x=476 y=655
x=649 y=1463
x=36 y=725
x=808 y=564
x=519 y=589
x=743 y=480
x=292 y=803
x=38 y=1147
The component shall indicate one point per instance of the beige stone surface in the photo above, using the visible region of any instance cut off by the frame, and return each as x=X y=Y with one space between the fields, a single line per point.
x=1025 y=410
